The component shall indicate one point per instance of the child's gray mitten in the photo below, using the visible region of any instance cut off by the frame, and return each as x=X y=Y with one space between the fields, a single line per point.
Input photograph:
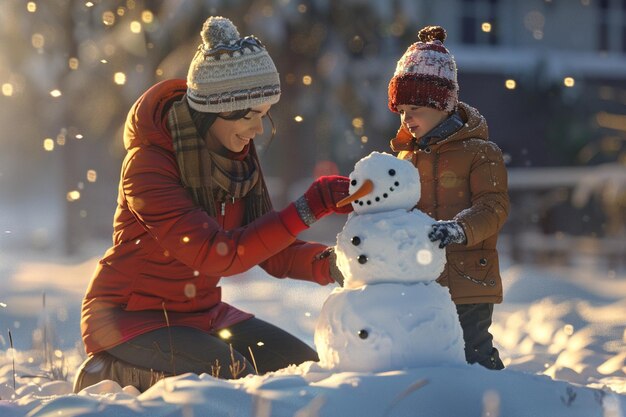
x=447 y=232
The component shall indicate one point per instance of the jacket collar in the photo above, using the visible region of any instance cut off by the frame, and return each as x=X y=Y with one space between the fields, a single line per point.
x=465 y=122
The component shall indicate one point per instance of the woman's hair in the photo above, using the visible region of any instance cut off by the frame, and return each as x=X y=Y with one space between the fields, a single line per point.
x=204 y=121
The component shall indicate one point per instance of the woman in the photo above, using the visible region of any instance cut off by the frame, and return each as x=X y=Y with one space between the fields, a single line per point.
x=192 y=208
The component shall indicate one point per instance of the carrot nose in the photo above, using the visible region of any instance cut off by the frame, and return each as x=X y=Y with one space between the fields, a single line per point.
x=365 y=189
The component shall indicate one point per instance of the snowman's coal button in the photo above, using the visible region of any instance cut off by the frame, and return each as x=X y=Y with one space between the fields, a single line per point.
x=396 y=183
x=363 y=334
x=385 y=195
x=392 y=172
x=362 y=259
x=482 y=261
x=356 y=241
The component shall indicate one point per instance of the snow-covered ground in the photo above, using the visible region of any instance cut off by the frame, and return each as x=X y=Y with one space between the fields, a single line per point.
x=561 y=333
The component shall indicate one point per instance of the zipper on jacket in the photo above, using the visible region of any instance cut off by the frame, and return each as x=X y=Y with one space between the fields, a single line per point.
x=223 y=209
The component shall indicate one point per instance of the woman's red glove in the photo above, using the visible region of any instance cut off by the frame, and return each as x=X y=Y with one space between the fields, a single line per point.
x=321 y=198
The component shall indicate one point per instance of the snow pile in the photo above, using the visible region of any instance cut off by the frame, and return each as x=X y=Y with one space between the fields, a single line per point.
x=562 y=321
x=308 y=390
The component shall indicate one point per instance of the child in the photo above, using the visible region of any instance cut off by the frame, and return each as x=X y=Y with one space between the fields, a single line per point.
x=463 y=179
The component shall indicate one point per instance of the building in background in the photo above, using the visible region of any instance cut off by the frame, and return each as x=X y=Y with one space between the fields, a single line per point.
x=550 y=77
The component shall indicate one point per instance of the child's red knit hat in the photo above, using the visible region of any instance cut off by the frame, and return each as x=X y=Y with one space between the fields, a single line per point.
x=426 y=74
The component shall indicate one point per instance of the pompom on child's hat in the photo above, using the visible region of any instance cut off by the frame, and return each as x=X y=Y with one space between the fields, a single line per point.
x=426 y=74
x=229 y=72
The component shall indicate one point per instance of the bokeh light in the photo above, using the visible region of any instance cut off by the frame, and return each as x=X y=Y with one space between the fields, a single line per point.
x=119 y=78
x=73 y=63
x=73 y=195
x=108 y=18
x=7 y=89
x=147 y=16
x=135 y=26
x=48 y=144
x=37 y=40
x=92 y=175
x=190 y=290
x=325 y=167
x=357 y=122
x=424 y=257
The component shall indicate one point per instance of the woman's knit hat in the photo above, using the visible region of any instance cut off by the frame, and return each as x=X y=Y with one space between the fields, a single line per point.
x=426 y=74
x=229 y=72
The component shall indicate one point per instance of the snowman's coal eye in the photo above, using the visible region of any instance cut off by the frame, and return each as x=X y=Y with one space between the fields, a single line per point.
x=353 y=182
x=362 y=259
x=356 y=241
x=392 y=172
x=363 y=334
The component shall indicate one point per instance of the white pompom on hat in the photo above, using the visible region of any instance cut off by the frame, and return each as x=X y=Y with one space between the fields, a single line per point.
x=229 y=72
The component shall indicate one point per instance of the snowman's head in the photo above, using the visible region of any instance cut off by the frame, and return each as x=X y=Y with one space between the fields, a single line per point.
x=382 y=182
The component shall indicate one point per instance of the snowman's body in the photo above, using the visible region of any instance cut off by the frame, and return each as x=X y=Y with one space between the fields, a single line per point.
x=376 y=248
x=391 y=313
x=356 y=331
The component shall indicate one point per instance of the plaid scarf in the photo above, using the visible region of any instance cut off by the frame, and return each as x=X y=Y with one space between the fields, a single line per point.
x=210 y=177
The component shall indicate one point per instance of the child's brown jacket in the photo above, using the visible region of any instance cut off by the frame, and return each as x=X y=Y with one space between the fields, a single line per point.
x=463 y=177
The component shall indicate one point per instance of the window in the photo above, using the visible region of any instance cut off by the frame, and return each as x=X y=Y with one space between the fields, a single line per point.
x=479 y=22
x=611 y=28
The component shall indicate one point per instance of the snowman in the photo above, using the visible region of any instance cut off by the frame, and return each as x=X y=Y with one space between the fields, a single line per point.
x=390 y=314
